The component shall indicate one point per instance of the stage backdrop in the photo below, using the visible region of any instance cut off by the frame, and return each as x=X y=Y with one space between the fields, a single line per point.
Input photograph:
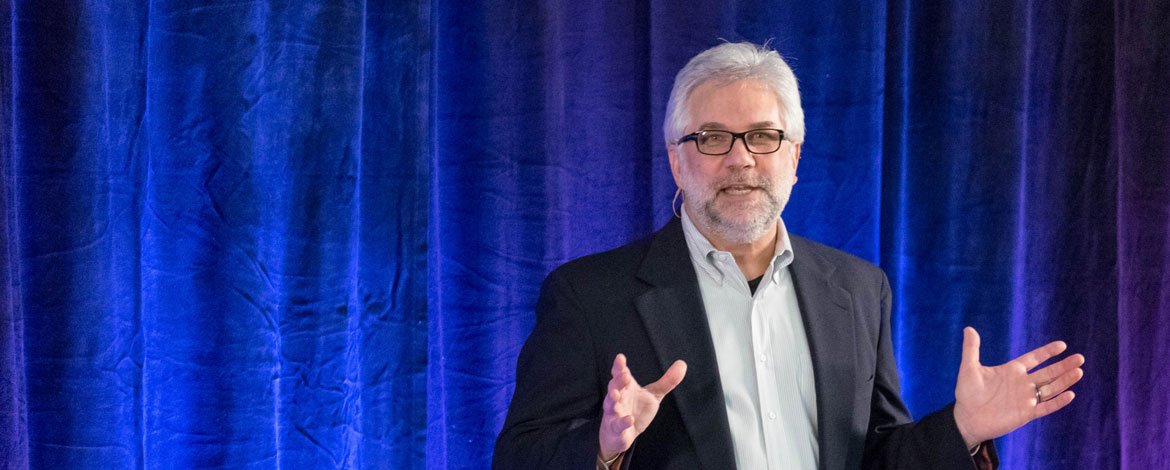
x=294 y=235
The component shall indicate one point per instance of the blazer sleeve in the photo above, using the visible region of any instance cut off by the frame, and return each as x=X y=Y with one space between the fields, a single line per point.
x=893 y=441
x=555 y=413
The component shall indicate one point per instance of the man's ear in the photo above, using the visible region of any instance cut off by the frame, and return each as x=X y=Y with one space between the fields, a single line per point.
x=672 y=151
x=795 y=161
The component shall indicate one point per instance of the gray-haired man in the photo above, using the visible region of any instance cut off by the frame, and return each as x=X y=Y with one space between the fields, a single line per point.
x=761 y=349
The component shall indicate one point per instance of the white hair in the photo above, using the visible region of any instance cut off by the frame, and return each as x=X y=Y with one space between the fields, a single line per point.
x=731 y=62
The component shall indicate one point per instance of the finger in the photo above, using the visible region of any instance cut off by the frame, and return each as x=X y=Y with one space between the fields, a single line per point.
x=1036 y=356
x=620 y=424
x=1051 y=372
x=669 y=380
x=970 y=357
x=1061 y=383
x=1048 y=407
x=619 y=408
x=622 y=377
x=619 y=365
x=622 y=381
x=611 y=399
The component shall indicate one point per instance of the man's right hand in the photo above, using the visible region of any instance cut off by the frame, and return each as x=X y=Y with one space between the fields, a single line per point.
x=629 y=408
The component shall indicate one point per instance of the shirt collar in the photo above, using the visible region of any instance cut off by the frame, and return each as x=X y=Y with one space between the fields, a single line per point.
x=720 y=264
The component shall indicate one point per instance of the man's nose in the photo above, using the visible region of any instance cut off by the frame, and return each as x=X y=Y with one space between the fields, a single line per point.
x=739 y=156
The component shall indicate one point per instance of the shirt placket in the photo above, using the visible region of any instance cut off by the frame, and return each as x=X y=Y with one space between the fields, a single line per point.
x=788 y=376
x=764 y=355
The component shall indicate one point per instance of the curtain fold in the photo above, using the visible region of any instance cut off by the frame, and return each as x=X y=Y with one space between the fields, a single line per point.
x=206 y=204
x=298 y=234
x=1141 y=145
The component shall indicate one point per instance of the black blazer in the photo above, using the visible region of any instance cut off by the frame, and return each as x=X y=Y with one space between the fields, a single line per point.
x=643 y=300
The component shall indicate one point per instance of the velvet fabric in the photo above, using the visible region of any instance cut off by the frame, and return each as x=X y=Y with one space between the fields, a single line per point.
x=304 y=234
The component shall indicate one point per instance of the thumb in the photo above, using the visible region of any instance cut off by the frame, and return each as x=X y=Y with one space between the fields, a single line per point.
x=970 y=349
x=673 y=376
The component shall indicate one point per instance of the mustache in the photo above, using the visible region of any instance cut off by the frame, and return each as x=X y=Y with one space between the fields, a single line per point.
x=743 y=179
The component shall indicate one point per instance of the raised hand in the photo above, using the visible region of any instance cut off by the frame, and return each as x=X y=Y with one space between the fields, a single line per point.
x=629 y=408
x=993 y=401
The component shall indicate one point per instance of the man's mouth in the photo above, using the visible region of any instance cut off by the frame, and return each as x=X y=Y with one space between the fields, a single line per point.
x=739 y=189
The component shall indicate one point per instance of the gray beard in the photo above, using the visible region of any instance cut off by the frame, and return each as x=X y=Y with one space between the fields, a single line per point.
x=763 y=216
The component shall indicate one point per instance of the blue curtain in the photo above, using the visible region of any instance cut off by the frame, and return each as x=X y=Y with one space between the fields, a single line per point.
x=291 y=234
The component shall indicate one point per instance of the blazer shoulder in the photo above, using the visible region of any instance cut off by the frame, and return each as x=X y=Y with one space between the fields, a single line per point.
x=620 y=263
x=832 y=259
x=659 y=258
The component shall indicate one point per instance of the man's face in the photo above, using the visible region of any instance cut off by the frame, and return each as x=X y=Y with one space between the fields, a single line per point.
x=737 y=197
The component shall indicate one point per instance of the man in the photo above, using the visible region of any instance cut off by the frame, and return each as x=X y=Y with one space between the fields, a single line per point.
x=760 y=349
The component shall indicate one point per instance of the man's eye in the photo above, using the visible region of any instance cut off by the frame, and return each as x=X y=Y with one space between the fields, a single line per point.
x=714 y=137
x=763 y=137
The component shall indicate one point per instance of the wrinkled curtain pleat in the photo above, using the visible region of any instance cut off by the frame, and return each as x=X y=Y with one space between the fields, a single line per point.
x=1141 y=147
x=211 y=286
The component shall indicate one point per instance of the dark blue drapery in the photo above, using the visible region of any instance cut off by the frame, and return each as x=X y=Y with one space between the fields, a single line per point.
x=309 y=234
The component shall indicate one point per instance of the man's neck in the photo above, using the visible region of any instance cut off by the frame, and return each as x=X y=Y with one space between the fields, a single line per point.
x=753 y=257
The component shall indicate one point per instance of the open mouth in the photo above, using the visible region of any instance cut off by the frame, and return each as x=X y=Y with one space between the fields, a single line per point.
x=739 y=189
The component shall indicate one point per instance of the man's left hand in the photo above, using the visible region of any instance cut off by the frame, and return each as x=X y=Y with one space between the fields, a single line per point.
x=993 y=401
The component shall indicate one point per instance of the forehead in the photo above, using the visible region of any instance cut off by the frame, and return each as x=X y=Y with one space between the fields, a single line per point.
x=732 y=105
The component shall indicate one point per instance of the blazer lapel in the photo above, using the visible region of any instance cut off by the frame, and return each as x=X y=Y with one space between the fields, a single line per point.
x=672 y=312
x=828 y=322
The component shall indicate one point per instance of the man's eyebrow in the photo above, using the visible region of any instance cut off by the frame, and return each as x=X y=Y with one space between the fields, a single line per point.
x=712 y=125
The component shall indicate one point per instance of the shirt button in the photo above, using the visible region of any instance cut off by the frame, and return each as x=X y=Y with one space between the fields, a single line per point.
x=771 y=415
x=763 y=358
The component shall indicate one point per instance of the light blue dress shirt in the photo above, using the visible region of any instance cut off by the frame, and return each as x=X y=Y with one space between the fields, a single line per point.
x=763 y=355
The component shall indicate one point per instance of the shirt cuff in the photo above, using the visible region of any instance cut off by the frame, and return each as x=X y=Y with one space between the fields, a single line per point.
x=606 y=464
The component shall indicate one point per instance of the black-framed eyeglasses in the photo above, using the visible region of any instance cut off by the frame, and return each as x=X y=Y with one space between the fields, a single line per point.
x=719 y=142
